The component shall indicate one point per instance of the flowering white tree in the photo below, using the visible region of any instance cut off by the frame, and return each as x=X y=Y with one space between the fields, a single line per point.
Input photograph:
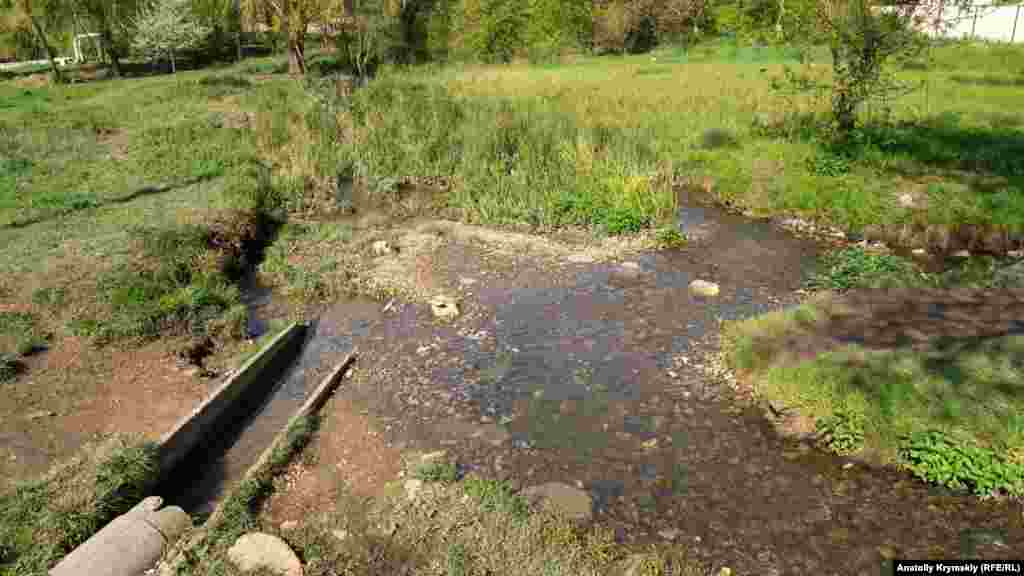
x=166 y=26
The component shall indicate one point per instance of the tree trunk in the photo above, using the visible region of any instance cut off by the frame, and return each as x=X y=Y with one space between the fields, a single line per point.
x=107 y=41
x=58 y=76
x=296 y=52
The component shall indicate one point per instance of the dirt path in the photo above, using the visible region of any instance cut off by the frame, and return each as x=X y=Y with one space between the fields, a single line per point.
x=602 y=375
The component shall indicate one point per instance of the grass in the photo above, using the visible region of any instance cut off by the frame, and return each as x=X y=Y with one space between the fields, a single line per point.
x=599 y=141
x=43 y=520
x=948 y=412
x=855 y=267
x=473 y=526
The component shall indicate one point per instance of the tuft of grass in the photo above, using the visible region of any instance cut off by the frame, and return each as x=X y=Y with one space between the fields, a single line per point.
x=10 y=366
x=841 y=432
x=438 y=470
x=670 y=238
x=495 y=496
x=43 y=520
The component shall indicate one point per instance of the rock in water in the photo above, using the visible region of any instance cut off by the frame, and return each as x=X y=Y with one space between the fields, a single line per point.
x=573 y=502
x=704 y=288
x=257 y=550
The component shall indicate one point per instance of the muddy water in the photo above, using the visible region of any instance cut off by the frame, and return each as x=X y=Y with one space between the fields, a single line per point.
x=586 y=374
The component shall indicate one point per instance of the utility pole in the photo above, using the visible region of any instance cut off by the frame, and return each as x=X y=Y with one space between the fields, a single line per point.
x=1016 y=17
x=974 y=22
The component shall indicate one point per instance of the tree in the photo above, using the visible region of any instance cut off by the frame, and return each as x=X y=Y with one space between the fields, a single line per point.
x=366 y=33
x=293 y=19
x=864 y=37
x=33 y=14
x=166 y=26
x=113 y=18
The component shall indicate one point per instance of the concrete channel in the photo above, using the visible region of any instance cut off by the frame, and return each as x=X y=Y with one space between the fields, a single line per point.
x=144 y=534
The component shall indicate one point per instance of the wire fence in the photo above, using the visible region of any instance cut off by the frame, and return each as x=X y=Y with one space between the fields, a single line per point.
x=999 y=23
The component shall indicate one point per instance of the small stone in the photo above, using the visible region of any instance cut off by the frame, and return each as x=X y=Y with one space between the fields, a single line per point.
x=444 y=307
x=580 y=258
x=848 y=465
x=650 y=444
x=256 y=551
x=573 y=502
x=906 y=200
x=672 y=374
x=382 y=248
x=919 y=253
x=434 y=455
x=670 y=534
x=725 y=571
x=704 y=288
x=1015 y=254
x=40 y=414
x=289 y=525
x=413 y=487
x=341 y=535
x=961 y=254
x=465 y=281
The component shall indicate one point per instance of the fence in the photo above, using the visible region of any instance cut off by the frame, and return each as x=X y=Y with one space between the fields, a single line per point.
x=989 y=22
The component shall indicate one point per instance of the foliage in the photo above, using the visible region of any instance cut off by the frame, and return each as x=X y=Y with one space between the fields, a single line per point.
x=495 y=496
x=438 y=470
x=865 y=41
x=841 y=432
x=669 y=237
x=42 y=520
x=165 y=27
x=9 y=367
x=494 y=30
x=855 y=267
x=961 y=464
x=366 y=37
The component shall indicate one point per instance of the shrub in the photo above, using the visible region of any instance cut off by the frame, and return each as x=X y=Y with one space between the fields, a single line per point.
x=841 y=433
x=960 y=464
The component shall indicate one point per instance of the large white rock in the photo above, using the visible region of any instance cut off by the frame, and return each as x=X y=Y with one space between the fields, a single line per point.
x=573 y=502
x=704 y=288
x=257 y=550
x=444 y=307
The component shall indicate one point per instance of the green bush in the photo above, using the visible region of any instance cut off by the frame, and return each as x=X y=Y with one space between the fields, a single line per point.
x=961 y=464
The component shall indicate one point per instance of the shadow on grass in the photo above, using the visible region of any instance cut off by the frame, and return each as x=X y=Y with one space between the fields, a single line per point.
x=134 y=195
x=943 y=142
